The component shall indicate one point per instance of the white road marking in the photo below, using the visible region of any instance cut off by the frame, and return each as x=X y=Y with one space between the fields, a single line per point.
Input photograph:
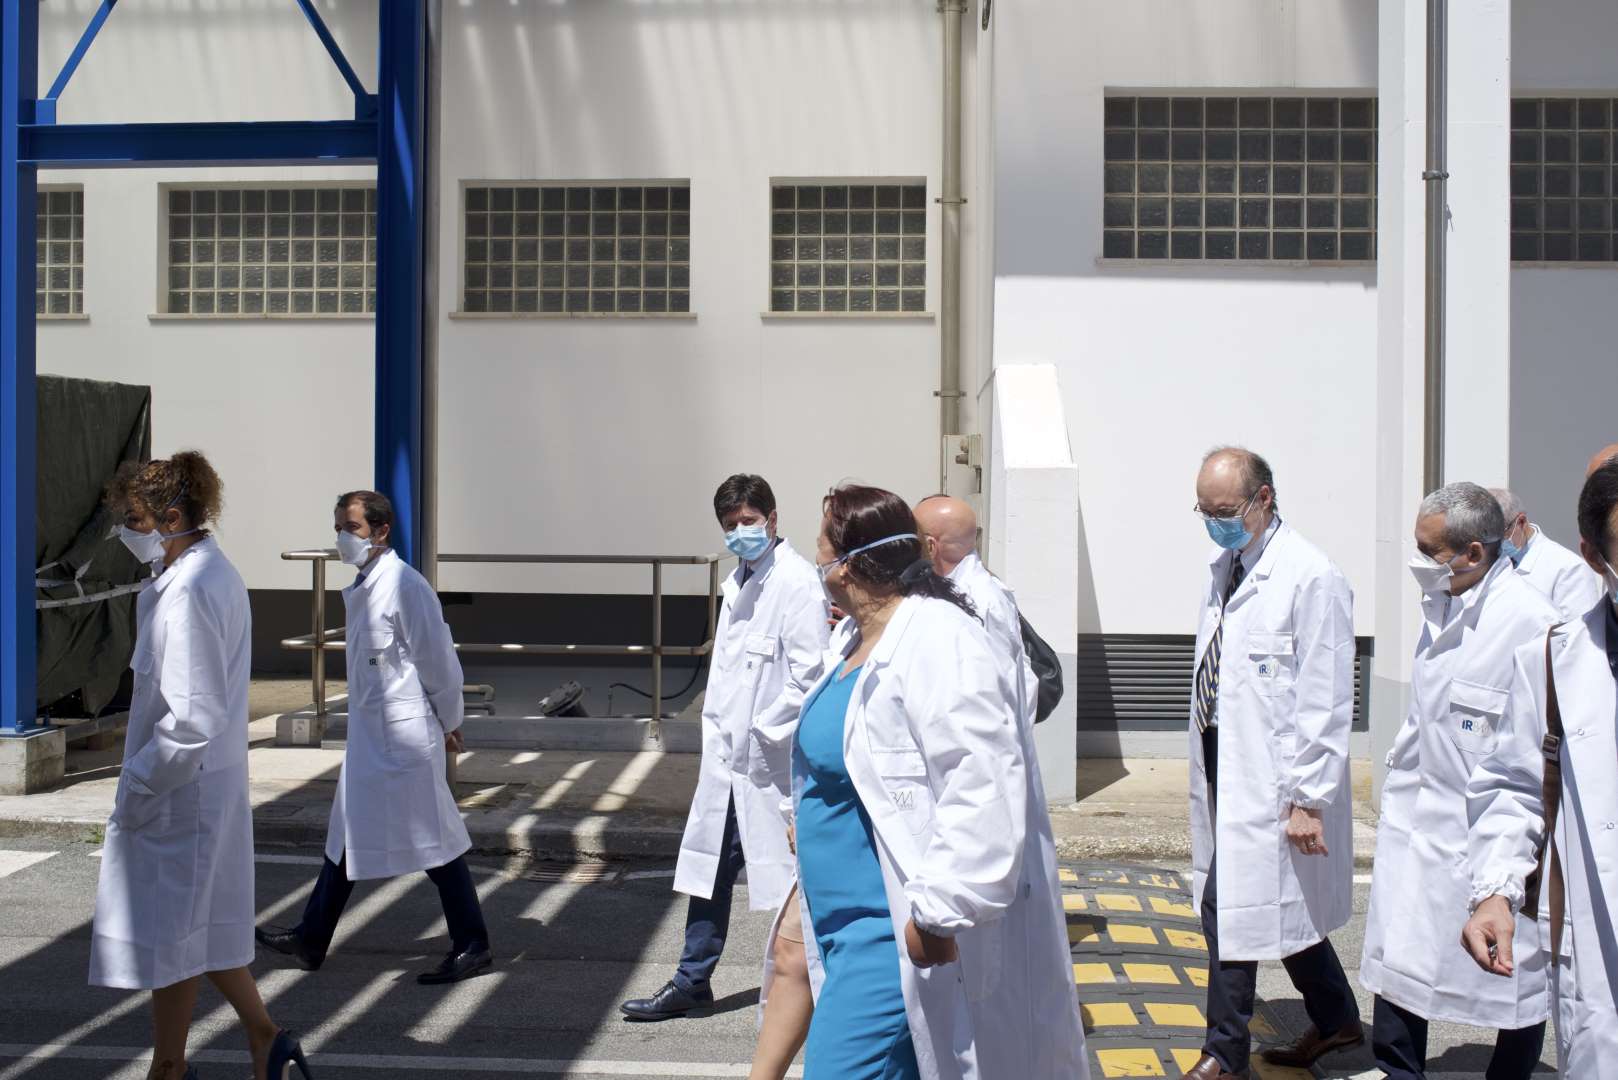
x=423 y=1063
x=12 y=861
x=642 y=875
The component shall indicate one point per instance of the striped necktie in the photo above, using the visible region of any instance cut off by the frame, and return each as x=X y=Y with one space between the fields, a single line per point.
x=1208 y=671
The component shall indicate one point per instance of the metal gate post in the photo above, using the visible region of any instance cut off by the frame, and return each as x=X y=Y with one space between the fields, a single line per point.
x=19 y=72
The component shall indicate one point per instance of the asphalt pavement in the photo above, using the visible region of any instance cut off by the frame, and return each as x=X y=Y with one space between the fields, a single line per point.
x=570 y=944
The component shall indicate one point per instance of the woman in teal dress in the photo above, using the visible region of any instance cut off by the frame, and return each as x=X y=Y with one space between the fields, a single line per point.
x=859 y=1031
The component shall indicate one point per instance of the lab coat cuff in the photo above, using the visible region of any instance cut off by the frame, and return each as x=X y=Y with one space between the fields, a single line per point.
x=1509 y=888
x=1304 y=802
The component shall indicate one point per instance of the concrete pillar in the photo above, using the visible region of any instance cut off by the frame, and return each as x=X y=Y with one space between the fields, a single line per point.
x=1033 y=540
x=1478 y=305
x=34 y=762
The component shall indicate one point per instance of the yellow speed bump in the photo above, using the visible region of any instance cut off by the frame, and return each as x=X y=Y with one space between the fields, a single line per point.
x=1083 y=931
x=1186 y=939
x=1067 y=876
x=1091 y=974
x=1108 y=1014
x=1152 y=974
x=1197 y=976
x=1129 y=934
x=1074 y=902
x=1169 y=1014
x=1168 y=907
x=1186 y=1059
x=1118 y=902
x=1142 y=1061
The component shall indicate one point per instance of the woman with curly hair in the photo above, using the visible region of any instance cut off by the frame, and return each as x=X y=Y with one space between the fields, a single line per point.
x=175 y=897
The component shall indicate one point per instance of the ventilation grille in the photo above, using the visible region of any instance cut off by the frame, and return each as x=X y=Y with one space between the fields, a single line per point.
x=1142 y=682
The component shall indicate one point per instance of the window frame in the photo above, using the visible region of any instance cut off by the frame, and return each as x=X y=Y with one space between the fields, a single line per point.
x=929 y=204
x=83 y=314
x=459 y=312
x=161 y=313
x=1349 y=269
x=1609 y=94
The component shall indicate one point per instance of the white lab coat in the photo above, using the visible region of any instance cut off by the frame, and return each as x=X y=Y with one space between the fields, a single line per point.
x=933 y=750
x=175 y=895
x=768 y=643
x=1286 y=701
x=1505 y=801
x=1560 y=575
x=1034 y=1034
x=1460 y=683
x=394 y=812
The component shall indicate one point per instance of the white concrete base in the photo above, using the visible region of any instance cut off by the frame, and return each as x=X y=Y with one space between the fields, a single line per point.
x=32 y=763
x=302 y=728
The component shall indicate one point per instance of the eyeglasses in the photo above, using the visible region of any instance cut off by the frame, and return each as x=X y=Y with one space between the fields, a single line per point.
x=1225 y=515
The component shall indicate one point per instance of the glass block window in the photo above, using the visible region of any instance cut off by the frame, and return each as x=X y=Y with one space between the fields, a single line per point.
x=598 y=248
x=856 y=247
x=1564 y=190
x=1240 y=179
x=59 y=251
x=299 y=250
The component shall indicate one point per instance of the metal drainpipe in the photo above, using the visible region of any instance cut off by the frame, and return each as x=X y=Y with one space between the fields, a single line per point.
x=1434 y=176
x=951 y=201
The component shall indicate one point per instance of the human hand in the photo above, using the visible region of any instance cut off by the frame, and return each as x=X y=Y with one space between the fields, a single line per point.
x=928 y=950
x=792 y=837
x=834 y=616
x=1487 y=936
x=453 y=742
x=1305 y=831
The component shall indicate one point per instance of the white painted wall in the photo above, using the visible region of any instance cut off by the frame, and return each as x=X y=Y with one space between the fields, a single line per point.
x=557 y=435
x=283 y=408
x=1157 y=366
x=1564 y=322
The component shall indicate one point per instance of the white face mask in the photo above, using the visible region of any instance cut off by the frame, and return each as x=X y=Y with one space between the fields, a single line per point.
x=353 y=549
x=1609 y=577
x=147 y=547
x=1431 y=575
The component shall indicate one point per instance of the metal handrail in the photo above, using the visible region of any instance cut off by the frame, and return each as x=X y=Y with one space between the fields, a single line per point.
x=321 y=638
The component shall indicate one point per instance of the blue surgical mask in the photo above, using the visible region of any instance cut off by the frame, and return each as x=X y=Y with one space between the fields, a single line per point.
x=1510 y=550
x=826 y=568
x=748 y=542
x=1229 y=533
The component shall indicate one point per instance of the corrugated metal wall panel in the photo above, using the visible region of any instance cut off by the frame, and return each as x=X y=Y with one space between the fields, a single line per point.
x=1142 y=682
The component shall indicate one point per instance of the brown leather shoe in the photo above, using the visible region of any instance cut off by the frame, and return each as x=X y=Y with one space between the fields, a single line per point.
x=1312 y=1046
x=1210 y=1069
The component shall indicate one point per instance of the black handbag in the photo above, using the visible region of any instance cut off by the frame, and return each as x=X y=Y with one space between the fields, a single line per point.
x=1047 y=671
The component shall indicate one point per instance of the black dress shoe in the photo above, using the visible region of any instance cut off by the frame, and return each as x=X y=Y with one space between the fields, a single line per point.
x=289 y=943
x=669 y=1003
x=459 y=964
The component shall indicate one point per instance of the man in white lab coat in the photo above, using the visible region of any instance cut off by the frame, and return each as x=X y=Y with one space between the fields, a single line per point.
x=1571 y=674
x=768 y=645
x=1559 y=574
x=393 y=813
x=1476 y=612
x=1271 y=820
x=1038 y=1034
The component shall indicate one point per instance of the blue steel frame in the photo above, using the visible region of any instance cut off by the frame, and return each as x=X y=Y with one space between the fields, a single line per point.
x=389 y=130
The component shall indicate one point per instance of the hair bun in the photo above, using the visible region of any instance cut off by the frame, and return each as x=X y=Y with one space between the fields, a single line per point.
x=916 y=573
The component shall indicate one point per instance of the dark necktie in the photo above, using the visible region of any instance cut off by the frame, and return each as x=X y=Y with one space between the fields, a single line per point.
x=1208 y=670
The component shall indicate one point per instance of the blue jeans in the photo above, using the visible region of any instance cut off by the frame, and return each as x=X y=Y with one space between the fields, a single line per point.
x=708 y=921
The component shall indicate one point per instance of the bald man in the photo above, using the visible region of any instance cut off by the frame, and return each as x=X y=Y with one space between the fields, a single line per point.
x=1602 y=456
x=1558 y=574
x=1027 y=1039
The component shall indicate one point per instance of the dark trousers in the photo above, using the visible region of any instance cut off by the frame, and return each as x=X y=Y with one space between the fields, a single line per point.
x=1399 y=1039
x=1316 y=971
x=456 y=892
x=708 y=921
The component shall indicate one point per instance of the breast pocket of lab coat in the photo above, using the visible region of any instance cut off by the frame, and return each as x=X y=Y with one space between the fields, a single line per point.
x=759 y=657
x=1473 y=718
x=904 y=780
x=1271 y=663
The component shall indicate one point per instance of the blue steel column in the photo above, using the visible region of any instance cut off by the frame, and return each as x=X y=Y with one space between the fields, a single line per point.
x=400 y=212
x=19 y=72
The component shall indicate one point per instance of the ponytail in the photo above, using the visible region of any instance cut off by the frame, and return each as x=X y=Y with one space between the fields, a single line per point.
x=186 y=481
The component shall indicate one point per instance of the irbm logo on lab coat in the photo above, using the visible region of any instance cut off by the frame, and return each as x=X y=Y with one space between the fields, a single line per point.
x=1266 y=669
x=904 y=800
x=1474 y=725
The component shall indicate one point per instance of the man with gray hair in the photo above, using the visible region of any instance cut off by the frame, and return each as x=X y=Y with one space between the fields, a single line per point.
x=1559 y=574
x=1476 y=612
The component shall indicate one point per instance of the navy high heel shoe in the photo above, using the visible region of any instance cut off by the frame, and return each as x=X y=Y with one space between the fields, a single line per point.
x=284 y=1053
